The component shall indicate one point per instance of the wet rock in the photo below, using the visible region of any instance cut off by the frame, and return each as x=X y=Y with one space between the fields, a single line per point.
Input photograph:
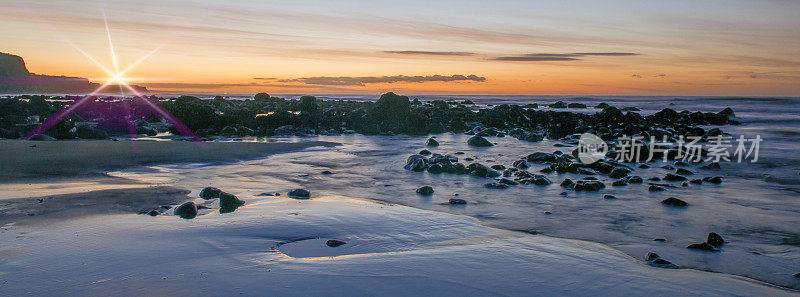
x=644 y=166
x=540 y=157
x=521 y=164
x=703 y=247
x=498 y=167
x=660 y=240
x=634 y=180
x=153 y=213
x=711 y=166
x=610 y=197
x=619 y=173
x=674 y=177
x=682 y=171
x=654 y=188
x=715 y=239
x=210 y=193
x=668 y=167
x=672 y=201
x=619 y=183
x=229 y=202
x=588 y=185
x=334 y=243
x=654 y=179
x=568 y=183
x=299 y=194
x=457 y=201
x=507 y=182
x=425 y=191
x=416 y=163
x=479 y=141
x=496 y=186
x=541 y=180
x=681 y=163
x=655 y=260
x=432 y=142
x=435 y=168
x=326 y=172
x=480 y=170
x=424 y=152
x=547 y=170
x=713 y=180
x=581 y=170
x=696 y=181
x=187 y=210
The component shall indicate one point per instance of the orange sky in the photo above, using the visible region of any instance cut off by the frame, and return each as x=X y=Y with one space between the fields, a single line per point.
x=736 y=48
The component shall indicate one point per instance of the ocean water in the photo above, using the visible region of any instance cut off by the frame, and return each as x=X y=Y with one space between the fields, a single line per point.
x=756 y=208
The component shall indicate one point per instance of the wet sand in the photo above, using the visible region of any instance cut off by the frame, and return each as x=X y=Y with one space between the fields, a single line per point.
x=49 y=159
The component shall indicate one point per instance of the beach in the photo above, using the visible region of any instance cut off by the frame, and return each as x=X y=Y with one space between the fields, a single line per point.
x=95 y=240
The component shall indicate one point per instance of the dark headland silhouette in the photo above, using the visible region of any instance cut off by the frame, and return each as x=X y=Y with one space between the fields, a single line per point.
x=16 y=79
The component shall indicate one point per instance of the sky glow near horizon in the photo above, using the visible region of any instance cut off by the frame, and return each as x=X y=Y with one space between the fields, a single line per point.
x=725 y=48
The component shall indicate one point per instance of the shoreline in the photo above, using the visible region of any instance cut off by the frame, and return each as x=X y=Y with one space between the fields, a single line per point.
x=272 y=239
x=37 y=160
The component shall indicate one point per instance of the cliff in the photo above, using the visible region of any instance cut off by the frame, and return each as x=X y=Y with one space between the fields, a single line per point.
x=16 y=79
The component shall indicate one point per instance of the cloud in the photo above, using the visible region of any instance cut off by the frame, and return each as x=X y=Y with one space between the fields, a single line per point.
x=559 y=57
x=430 y=53
x=361 y=81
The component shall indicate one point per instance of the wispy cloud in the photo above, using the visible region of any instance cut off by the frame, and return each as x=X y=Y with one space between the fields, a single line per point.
x=539 y=57
x=363 y=80
x=430 y=53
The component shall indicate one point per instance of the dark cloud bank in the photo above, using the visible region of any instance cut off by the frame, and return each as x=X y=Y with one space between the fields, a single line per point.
x=360 y=81
x=558 y=57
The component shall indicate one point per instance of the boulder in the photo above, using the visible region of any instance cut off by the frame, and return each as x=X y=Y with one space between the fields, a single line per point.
x=521 y=164
x=498 y=167
x=634 y=179
x=299 y=194
x=703 y=247
x=210 y=193
x=457 y=201
x=416 y=163
x=674 y=177
x=568 y=183
x=713 y=180
x=576 y=105
x=335 y=243
x=654 y=188
x=540 y=157
x=654 y=259
x=187 y=210
x=715 y=239
x=432 y=142
x=229 y=202
x=496 y=186
x=541 y=180
x=589 y=185
x=619 y=173
x=425 y=191
x=479 y=141
x=619 y=183
x=672 y=201
x=480 y=170
x=610 y=197
x=424 y=152
x=682 y=171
